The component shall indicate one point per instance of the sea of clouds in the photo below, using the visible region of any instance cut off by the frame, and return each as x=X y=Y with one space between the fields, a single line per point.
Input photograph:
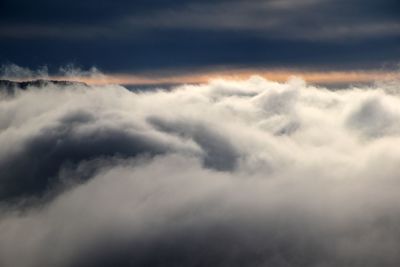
x=229 y=173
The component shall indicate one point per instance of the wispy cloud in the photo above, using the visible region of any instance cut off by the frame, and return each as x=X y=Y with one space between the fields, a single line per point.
x=307 y=20
x=312 y=20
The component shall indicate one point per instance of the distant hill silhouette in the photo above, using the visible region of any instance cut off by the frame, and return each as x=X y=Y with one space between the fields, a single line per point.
x=10 y=86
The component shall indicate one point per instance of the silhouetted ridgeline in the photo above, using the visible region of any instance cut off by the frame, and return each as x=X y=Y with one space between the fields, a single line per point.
x=10 y=86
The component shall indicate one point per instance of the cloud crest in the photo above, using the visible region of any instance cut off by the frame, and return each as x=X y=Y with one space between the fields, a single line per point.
x=250 y=173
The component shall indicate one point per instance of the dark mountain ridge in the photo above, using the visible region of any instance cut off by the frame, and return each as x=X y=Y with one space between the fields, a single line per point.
x=10 y=86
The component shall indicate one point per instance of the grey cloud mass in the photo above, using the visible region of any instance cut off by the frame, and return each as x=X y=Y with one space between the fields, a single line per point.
x=229 y=173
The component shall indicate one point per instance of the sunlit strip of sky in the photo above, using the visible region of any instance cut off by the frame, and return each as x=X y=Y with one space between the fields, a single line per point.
x=329 y=78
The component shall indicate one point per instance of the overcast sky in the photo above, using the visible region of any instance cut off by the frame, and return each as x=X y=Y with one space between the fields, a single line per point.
x=180 y=36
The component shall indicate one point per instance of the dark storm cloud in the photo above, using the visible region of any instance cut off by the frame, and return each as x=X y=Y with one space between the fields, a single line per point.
x=144 y=35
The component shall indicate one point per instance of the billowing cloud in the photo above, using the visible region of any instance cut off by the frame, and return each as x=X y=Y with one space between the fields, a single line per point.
x=228 y=173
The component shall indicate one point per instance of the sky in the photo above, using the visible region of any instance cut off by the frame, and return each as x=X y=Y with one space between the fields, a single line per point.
x=179 y=39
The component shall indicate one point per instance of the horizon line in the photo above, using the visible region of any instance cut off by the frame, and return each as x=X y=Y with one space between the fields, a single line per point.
x=312 y=77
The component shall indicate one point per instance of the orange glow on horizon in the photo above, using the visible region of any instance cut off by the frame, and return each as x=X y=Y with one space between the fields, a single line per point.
x=329 y=77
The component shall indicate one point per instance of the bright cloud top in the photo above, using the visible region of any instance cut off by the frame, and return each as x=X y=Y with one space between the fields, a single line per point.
x=229 y=173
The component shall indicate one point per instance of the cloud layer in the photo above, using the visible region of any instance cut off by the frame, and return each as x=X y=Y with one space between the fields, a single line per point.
x=229 y=173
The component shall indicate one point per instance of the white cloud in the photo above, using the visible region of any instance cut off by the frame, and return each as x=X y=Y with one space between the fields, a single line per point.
x=247 y=172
